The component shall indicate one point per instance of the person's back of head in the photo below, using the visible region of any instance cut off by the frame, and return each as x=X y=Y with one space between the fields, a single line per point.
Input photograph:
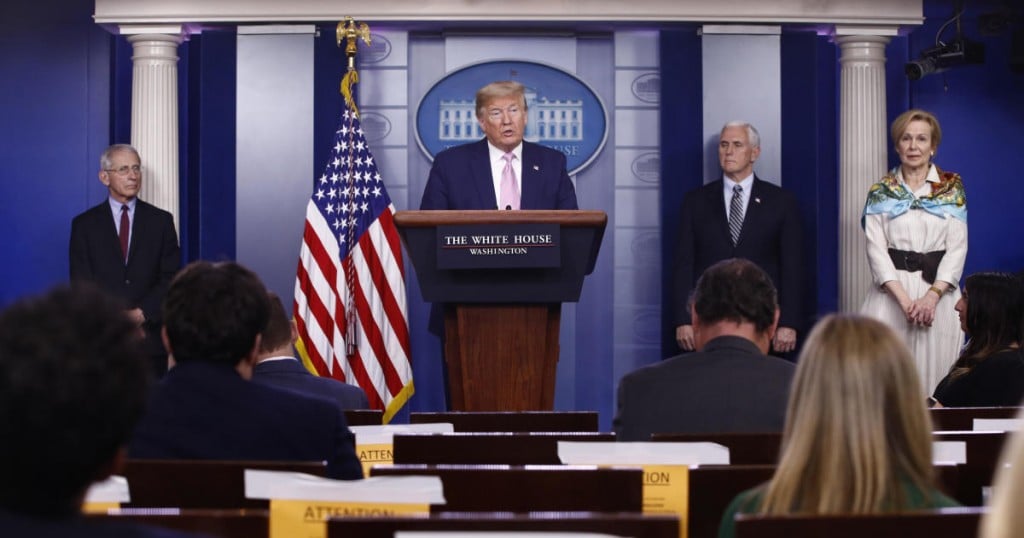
x=73 y=383
x=214 y=312
x=279 y=332
x=857 y=432
x=735 y=291
x=993 y=319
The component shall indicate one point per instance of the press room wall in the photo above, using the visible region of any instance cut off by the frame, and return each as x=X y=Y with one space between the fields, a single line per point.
x=59 y=74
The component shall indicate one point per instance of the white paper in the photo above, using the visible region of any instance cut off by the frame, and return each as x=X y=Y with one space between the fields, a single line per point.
x=379 y=489
x=954 y=452
x=642 y=453
x=112 y=490
x=996 y=424
x=383 y=434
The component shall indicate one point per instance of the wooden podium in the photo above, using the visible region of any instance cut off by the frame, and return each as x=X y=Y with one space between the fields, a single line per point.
x=501 y=321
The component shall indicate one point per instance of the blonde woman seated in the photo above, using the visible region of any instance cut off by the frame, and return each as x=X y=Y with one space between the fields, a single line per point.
x=857 y=438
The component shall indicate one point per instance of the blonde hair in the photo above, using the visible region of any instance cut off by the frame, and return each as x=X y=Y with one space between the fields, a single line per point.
x=899 y=125
x=497 y=90
x=857 y=432
x=1005 y=518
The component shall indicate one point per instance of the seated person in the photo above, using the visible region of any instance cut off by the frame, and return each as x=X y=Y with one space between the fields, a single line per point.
x=277 y=366
x=730 y=384
x=857 y=438
x=73 y=382
x=206 y=408
x=990 y=369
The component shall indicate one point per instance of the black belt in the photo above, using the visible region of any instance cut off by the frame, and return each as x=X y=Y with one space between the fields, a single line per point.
x=926 y=262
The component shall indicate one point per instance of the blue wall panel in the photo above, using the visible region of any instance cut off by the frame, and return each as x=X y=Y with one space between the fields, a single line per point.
x=681 y=151
x=54 y=88
x=981 y=109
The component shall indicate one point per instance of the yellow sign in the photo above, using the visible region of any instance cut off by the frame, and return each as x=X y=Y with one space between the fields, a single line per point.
x=306 y=519
x=99 y=507
x=666 y=491
x=369 y=455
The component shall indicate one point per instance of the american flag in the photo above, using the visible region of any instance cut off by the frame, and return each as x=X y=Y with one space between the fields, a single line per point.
x=350 y=305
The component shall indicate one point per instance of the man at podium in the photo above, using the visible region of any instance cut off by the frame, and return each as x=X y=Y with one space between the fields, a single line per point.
x=502 y=171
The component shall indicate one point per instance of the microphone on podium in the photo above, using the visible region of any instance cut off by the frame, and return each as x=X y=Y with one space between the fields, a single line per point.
x=508 y=208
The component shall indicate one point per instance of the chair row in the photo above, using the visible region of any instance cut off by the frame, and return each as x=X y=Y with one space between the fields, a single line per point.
x=949 y=523
x=566 y=488
x=943 y=418
x=490 y=421
x=982 y=451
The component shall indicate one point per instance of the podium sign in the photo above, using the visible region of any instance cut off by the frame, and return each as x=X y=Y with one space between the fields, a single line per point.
x=496 y=246
x=502 y=306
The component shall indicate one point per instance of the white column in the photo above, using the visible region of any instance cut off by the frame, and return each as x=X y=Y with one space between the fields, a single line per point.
x=155 y=115
x=862 y=150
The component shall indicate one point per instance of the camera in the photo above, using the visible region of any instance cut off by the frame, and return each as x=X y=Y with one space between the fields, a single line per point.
x=939 y=58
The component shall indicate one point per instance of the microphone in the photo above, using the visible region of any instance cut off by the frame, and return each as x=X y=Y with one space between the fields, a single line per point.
x=508 y=208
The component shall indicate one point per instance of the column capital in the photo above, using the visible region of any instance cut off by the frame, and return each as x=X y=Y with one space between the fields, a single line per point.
x=866 y=31
x=174 y=33
x=862 y=48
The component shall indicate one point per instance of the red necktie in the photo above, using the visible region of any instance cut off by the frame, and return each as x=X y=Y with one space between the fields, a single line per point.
x=123 y=232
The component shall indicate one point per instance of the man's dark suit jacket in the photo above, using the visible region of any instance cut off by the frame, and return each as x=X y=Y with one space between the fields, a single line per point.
x=770 y=237
x=153 y=258
x=461 y=179
x=77 y=526
x=291 y=375
x=206 y=411
x=729 y=386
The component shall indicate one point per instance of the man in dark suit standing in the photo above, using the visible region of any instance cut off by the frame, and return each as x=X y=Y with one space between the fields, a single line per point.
x=207 y=408
x=277 y=366
x=729 y=384
x=127 y=247
x=501 y=171
x=740 y=216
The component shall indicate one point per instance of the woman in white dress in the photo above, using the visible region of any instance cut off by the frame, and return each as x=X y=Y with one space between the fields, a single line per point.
x=915 y=221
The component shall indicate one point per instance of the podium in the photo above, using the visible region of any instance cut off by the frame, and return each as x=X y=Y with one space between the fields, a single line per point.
x=501 y=276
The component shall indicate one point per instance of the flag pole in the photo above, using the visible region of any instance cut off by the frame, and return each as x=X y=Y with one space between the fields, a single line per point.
x=350 y=31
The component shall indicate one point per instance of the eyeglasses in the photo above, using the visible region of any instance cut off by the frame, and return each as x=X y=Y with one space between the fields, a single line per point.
x=124 y=170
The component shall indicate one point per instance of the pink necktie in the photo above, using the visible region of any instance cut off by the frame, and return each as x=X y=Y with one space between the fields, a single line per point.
x=509 y=190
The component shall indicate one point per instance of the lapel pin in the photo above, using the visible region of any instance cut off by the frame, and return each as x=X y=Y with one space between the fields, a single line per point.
x=536 y=168
x=757 y=200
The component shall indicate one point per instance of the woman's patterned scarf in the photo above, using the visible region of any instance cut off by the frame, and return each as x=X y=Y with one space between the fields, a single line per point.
x=890 y=196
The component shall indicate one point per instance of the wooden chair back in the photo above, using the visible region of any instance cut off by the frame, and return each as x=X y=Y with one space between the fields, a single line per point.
x=744 y=448
x=945 y=522
x=962 y=418
x=512 y=421
x=499 y=448
x=549 y=488
x=713 y=487
x=983 y=451
x=239 y=523
x=364 y=417
x=631 y=524
x=201 y=483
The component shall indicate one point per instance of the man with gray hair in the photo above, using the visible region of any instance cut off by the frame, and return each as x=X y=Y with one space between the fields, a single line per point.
x=740 y=216
x=127 y=247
